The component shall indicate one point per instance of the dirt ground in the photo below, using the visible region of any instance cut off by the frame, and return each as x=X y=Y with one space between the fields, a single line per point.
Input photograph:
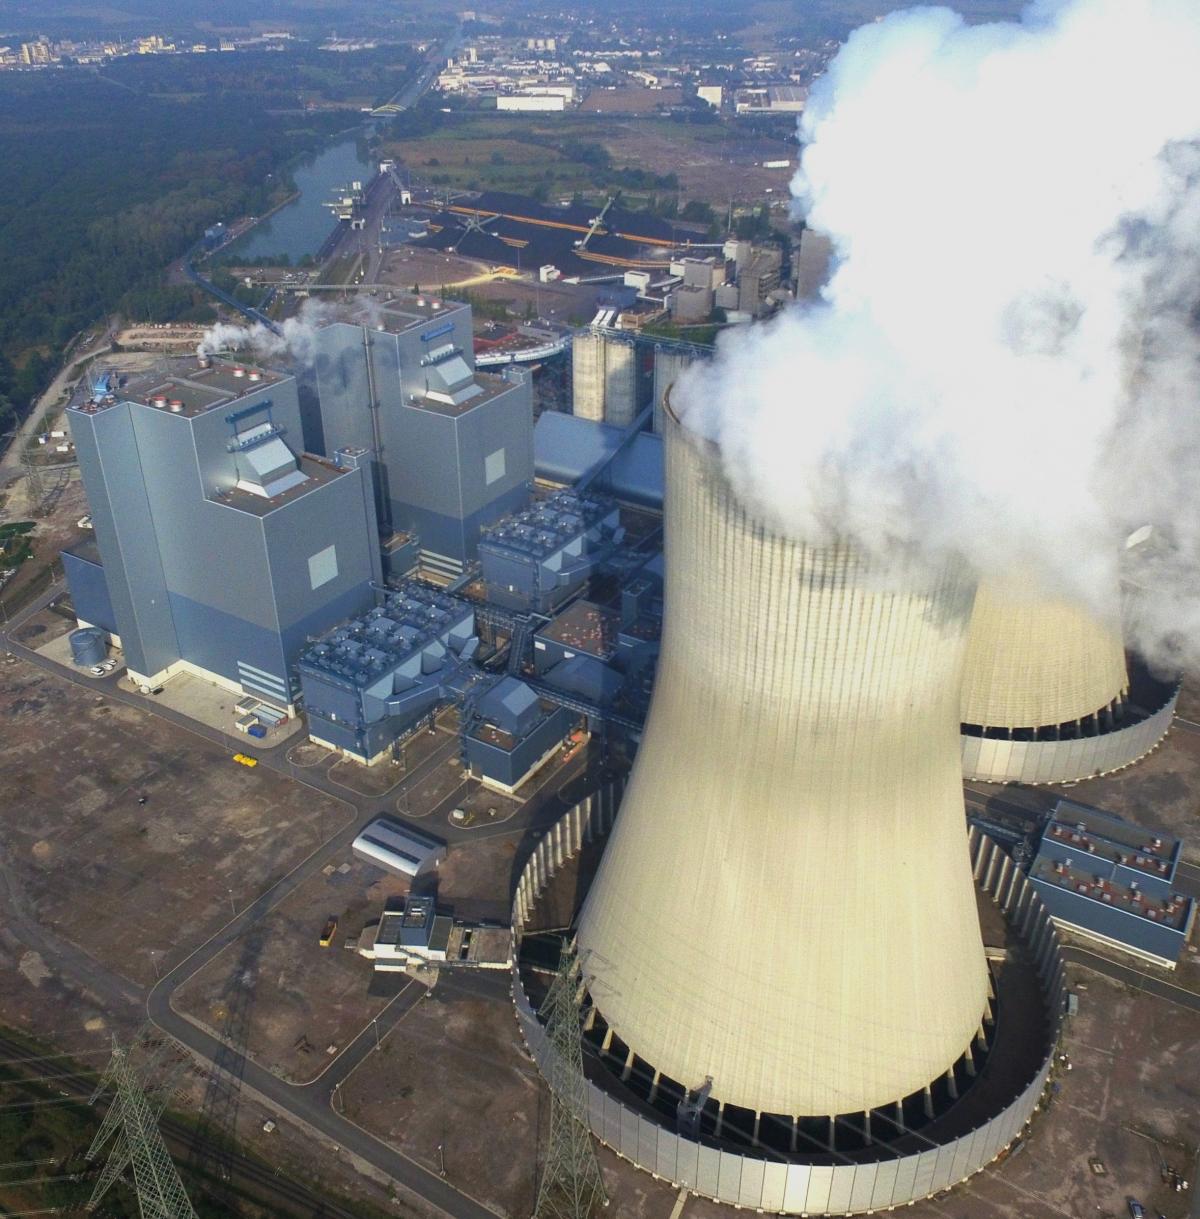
x=456 y=1073
x=630 y=99
x=137 y=886
x=304 y=998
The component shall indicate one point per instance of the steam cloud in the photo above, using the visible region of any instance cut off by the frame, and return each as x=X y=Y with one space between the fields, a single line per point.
x=297 y=340
x=1005 y=362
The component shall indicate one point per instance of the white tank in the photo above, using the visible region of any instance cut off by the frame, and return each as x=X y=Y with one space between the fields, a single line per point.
x=786 y=904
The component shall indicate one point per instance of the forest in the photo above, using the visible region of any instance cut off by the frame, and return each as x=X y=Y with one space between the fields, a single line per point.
x=104 y=185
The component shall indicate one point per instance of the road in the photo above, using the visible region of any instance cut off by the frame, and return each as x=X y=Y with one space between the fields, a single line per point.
x=10 y=463
x=419 y=85
x=1132 y=977
x=312 y=1104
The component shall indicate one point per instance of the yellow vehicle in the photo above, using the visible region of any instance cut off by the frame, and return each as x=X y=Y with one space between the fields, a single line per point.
x=329 y=930
x=245 y=759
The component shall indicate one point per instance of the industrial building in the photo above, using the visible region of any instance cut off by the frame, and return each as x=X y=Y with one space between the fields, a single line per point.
x=566 y=448
x=373 y=679
x=669 y=364
x=411 y=934
x=452 y=448
x=509 y=733
x=540 y=557
x=1114 y=882
x=1048 y=693
x=398 y=848
x=219 y=548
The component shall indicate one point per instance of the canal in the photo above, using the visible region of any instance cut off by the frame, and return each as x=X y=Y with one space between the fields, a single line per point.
x=301 y=226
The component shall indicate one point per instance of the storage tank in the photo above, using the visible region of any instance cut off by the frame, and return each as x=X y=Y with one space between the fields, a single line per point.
x=785 y=907
x=87 y=646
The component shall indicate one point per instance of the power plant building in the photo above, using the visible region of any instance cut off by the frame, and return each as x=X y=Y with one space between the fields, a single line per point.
x=770 y=910
x=221 y=548
x=453 y=448
x=1047 y=692
x=375 y=678
x=1114 y=882
x=543 y=555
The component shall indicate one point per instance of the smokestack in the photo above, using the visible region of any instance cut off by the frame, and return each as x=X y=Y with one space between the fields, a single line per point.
x=786 y=904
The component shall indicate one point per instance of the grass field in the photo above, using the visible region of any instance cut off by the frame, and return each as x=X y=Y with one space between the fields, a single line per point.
x=559 y=154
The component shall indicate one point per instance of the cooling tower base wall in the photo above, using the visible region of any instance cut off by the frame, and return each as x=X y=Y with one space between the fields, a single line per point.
x=892 y=1170
x=993 y=759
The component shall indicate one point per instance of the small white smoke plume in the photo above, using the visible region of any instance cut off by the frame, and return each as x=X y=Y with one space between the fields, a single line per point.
x=1005 y=361
x=296 y=341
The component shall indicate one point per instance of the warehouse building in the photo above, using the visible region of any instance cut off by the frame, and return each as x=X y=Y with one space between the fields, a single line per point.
x=452 y=448
x=219 y=548
x=541 y=557
x=398 y=848
x=1114 y=882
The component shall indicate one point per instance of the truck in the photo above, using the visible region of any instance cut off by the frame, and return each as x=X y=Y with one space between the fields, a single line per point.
x=329 y=931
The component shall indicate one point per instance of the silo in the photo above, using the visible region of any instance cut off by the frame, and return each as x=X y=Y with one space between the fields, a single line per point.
x=785 y=907
x=87 y=646
x=1047 y=691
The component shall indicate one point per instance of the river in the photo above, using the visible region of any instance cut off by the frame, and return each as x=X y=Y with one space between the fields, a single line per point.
x=301 y=226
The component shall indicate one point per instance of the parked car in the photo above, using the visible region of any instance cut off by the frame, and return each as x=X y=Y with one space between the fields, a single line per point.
x=1136 y=1209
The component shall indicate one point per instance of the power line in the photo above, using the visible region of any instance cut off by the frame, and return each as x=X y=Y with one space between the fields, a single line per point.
x=571 y=1185
x=130 y=1129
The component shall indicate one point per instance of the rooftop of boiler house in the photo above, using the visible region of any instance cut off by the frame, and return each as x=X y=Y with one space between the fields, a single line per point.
x=1152 y=900
x=395 y=314
x=547 y=525
x=491 y=385
x=180 y=385
x=317 y=471
x=1085 y=830
x=376 y=642
x=585 y=627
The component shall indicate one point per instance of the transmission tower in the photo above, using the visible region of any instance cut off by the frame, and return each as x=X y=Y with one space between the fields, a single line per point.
x=571 y=1185
x=130 y=1128
x=35 y=485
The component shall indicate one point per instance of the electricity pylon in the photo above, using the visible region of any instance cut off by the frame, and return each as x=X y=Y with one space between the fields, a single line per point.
x=130 y=1127
x=571 y=1185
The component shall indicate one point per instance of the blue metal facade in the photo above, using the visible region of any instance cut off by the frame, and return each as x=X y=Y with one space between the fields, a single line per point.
x=89 y=591
x=372 y=680
x=449 y=460
x=1109 y=878
x=538 y=558
x=220 y=547
x=566 y=447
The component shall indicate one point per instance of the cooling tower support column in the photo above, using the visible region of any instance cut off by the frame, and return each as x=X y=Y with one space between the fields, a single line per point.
x=786 y=904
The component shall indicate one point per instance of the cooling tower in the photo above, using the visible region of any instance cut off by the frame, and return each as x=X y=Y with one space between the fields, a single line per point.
x=1046 y=692
x=1033 y=662
x=786 y=905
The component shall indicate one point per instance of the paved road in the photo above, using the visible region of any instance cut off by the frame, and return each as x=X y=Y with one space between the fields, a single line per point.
x=1133 y=977
x=10 y=463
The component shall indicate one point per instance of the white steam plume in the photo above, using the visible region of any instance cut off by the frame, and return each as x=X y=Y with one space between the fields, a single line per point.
x=1005 y=361
x=297 y=340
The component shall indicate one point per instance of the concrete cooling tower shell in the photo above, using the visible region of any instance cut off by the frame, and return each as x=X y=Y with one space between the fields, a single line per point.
x=1046 y=693
x=786 y=904
x=1033 y=662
